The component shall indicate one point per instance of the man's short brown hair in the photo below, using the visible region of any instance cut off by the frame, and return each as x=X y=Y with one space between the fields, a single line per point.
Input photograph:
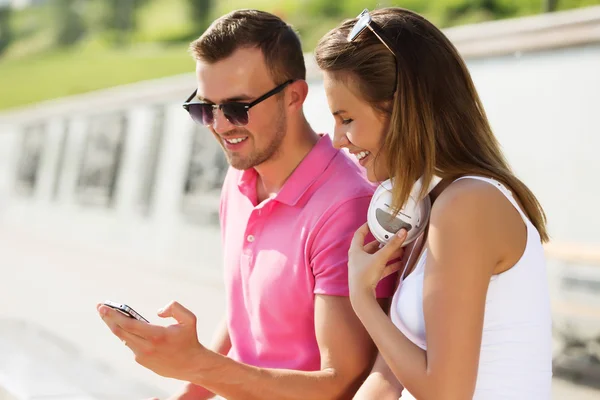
x=277 y=40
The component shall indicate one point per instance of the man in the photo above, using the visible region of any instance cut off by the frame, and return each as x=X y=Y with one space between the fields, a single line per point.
x=289 y=208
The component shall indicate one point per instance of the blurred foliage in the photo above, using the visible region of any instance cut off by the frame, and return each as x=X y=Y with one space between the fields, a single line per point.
x=90 y=44
x=6 y=33
x=550 y=5
x=200 y=11
x=120 y=19
x=67 y=72
x=70 y=23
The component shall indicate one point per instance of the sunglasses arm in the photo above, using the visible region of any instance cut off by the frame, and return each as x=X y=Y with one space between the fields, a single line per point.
x=191 y=97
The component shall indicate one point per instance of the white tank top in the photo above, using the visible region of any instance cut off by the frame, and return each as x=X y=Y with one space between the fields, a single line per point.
x=515 y=359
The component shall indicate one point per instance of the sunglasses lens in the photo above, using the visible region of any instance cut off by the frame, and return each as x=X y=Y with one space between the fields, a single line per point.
x=360 y=26
x=237 y=114
x=201 y=113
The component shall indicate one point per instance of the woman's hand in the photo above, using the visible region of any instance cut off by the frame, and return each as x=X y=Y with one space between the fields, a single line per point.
x=368 y=264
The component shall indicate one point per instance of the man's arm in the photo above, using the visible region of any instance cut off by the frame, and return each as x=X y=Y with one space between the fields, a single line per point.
x=346 y=356
x=381 y=383
x=221 y=344
x=174 y=351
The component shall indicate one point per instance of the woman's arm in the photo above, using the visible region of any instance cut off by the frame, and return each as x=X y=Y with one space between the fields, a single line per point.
x=381 y=383
x=466 y=228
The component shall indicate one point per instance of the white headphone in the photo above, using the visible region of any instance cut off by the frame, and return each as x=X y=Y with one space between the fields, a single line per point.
x=413 y=215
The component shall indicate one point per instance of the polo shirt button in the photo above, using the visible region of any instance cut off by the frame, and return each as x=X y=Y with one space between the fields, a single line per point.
x=250 y=238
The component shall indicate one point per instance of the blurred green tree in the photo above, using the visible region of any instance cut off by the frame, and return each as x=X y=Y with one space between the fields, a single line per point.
x=120 y=19
x=200 y=9
x=6 y=33
x=550 y=5
x=70 y=22
x=455 y=12
x=324 y=8
x=200 y=13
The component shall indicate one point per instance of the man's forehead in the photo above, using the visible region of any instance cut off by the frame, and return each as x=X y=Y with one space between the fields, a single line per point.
x=242 y=73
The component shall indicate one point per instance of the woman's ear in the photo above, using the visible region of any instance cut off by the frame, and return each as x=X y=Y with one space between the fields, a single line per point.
x=388 y=105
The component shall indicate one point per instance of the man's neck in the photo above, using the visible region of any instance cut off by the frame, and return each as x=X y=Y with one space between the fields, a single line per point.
x=272 y=174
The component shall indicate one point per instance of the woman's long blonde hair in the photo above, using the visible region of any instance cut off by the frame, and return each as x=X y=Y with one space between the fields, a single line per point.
x=437 y=124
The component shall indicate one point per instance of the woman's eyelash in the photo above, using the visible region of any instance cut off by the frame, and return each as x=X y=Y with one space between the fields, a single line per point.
x=347 y=121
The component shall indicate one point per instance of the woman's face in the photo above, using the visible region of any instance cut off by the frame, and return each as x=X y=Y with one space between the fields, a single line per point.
x=358 y=126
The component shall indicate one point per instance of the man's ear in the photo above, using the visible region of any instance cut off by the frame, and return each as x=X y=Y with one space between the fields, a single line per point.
x=298 y=91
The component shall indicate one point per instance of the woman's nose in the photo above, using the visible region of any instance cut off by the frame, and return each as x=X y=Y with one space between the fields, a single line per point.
x=340 y=140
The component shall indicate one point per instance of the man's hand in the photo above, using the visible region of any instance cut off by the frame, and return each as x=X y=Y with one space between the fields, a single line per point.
x=169 y=351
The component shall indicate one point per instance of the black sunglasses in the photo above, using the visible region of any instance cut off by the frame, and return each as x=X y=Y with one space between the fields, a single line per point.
x=235 y=112
x=364 y=21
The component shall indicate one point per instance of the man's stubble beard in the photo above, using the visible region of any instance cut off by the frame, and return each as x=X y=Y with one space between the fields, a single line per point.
x=270 y=153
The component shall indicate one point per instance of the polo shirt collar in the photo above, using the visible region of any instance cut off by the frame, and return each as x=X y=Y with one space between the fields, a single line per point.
x=307 y=172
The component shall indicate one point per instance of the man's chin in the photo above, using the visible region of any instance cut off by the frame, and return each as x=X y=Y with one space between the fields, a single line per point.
x=241 y=165
x=252 y=161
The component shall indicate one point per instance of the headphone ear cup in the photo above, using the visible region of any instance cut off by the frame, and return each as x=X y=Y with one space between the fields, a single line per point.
x=382 y=222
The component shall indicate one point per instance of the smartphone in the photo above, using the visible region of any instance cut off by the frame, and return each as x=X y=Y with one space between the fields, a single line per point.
x=126 y=310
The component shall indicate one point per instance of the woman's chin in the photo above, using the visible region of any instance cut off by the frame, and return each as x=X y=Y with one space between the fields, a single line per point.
x=371 y=176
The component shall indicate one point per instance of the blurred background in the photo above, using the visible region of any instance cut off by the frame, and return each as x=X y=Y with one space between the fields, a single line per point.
x=109 y=191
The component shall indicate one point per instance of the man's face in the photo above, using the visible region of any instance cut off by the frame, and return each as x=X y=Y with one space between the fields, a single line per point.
x=243 y=77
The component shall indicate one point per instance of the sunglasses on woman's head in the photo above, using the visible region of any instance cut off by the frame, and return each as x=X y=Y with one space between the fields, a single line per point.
x=235 y=112
x=364 y=21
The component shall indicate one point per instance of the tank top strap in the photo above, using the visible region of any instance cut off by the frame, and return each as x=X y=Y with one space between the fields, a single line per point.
x=503 y=189
x=415 y=245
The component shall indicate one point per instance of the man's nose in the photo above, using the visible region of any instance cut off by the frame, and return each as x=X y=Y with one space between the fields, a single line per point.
x=220 y=123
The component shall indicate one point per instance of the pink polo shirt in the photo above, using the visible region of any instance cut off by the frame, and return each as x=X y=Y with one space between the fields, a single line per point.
x=282 y=252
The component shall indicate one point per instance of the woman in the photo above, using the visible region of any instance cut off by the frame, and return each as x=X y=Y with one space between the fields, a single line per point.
x=471 y=315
